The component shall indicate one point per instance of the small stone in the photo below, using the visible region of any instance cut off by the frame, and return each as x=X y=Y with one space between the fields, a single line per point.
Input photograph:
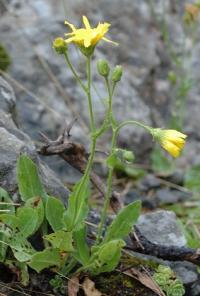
x=167 y=196
x=185 y=271
x=161 y=228
x=150 y=181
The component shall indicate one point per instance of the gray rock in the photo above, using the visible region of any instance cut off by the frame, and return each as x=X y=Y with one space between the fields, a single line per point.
x=161 y=227
x=13 y=142
x=167 y=196
x=185 y=271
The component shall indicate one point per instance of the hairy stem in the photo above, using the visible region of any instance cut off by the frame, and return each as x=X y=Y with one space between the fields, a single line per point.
x=74 y=72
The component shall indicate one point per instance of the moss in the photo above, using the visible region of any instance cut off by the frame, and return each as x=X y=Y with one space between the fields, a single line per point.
x=5 y=60
x=117 y=284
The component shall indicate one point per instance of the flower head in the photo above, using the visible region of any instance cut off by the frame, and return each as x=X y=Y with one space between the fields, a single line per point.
x=87 y=37
x=171 y=140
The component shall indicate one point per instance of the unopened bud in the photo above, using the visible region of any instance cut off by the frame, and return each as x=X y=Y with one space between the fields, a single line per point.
x=60 y=45
x=103 y=68
x=128 y=156
x=117 y=74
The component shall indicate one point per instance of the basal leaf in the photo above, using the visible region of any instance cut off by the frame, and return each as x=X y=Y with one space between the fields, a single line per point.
x=78 y=206
x=22 y=249
x=36 y=203
x=123 y=222
x=9 y=220
x=6 y=202
x=28 y=179
x=106 y=257
x=5 y=234
x=82 y=253
x=54 y=213
x=27 y=221
x=61 y=240
x=45 y=259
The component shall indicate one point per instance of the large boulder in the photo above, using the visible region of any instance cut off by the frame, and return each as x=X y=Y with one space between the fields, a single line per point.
x=13 y=142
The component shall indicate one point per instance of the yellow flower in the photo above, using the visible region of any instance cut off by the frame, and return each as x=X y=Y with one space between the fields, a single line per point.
x=171 y=140
x=87 y=37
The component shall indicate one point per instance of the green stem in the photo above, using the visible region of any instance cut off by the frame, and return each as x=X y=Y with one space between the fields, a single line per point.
x=92 y=124
x=108 y=193
x=146 y=127
x=92 y=129
x=74 y=72
x=110 y=118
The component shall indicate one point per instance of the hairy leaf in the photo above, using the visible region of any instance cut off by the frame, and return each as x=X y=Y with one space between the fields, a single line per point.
x=27 y=221
x=44 y=259
x=36 y=203
x=54 y=213
x=6 y=202
x=82 y=250
x=78 y=206
x=106 y=257
x=61 y=240
x=124 y=221
x=28 y=179
x=22 y=249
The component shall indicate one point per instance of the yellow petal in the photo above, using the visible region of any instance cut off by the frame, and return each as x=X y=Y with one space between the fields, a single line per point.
x=87 y=42
x=73 y=28
x=72 y=39
x=108 y=40
x=171 y=148
x=175 y=134
x=86 y=22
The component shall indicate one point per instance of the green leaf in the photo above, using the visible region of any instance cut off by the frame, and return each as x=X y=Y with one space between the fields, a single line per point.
x=28 y=180
x=9 y=220
x=78 y=206
x=61 y=240
x=82 y=250
x=44 y=259
x=5 y=198
x=192 y=178
x=27 y=221
x=54 y=213
x=36 y=203
x=22 y=249
x=106 y=257
x=124 y=221
x=5 y=234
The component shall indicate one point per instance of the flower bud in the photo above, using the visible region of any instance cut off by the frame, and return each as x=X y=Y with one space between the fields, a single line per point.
x=60 y=45
x=117 y=74
x=103 y=68
x=128 y=156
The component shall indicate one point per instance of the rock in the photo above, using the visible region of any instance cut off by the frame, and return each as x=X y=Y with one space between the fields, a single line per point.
x=167 y=196
x=148 y=182
x=195 y=289
x=13 y=142
x=161 y=227
x=185 y=271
